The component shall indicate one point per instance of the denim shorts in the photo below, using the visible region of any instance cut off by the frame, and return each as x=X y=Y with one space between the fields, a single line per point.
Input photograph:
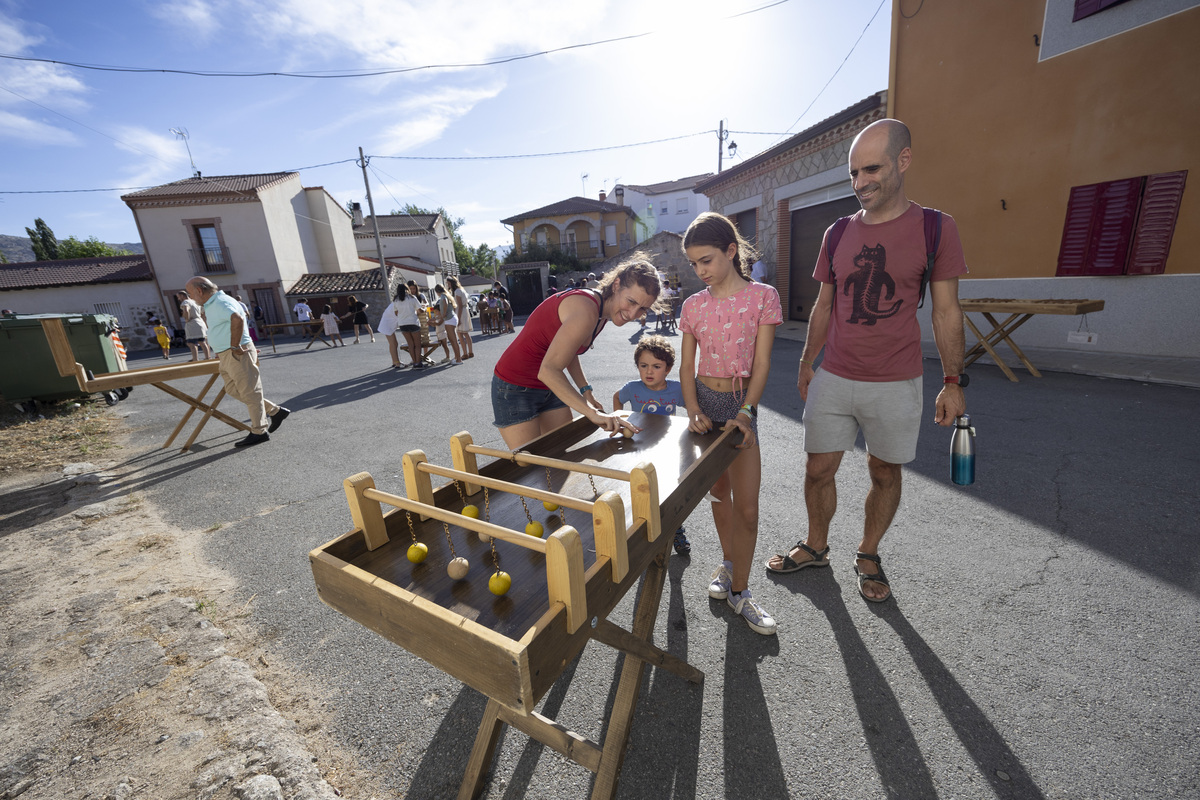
x=512 y=405
x=410 y=328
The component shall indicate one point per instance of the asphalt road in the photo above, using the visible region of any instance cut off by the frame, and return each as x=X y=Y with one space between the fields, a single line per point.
x=1042 y=641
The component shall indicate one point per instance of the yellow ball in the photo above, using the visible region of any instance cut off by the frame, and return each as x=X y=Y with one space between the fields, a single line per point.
x=417 y=552
x=499 y=583
x=628 y=434
x=534 y=529
x=457 y=568
x=546 y=504
x=471 y=511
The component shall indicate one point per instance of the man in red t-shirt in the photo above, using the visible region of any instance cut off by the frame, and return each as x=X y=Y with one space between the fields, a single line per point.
x=865 y=319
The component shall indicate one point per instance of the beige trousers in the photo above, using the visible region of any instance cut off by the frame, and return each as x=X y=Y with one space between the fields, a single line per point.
x=244 y=384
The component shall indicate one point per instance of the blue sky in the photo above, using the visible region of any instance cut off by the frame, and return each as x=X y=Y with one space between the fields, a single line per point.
x=69 y=128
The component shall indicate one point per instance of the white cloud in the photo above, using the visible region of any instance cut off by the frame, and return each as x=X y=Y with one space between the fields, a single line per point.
x=161 y=157
x=14 y=40
x=28 y=131
x=422 y=117
x=197 y=18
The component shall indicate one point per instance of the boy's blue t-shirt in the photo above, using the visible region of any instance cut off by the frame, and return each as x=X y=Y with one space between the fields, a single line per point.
x=642 y=399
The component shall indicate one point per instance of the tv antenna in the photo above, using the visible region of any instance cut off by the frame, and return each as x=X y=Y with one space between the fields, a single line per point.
x=583 y=176
x=183 y=134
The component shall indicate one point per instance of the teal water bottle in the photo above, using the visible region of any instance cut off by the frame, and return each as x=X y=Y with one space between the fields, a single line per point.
x=962 y=452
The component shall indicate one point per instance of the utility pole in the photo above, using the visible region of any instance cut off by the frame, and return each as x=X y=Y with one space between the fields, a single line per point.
x=720 y=144
x=387 y=289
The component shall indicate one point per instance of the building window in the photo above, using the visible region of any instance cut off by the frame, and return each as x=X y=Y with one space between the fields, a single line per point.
x=209 y=253
x=111 y=308
x=1085 y=8
x=681 y=205
x=665 y=208
x=649 y=208
x=1121 y=227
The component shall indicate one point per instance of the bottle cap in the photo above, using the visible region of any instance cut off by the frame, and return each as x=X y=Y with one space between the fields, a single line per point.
x=963 y=421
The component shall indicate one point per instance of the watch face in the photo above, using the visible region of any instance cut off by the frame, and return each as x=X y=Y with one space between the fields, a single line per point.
x=963 y=380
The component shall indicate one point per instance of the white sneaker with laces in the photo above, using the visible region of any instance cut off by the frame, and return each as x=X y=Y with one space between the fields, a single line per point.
x=749 y=609
x=722 y=579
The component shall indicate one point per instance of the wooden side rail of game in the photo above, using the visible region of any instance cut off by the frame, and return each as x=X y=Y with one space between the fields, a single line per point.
x=157 y=376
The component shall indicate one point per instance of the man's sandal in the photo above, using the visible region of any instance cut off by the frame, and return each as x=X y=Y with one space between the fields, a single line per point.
x=878 y=577
x=820 y=558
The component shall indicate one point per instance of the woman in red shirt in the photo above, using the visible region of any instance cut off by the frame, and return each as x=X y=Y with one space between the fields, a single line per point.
x=531 y=393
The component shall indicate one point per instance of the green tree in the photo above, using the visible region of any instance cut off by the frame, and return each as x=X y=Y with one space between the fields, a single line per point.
x=92 y=248
x=45 y=246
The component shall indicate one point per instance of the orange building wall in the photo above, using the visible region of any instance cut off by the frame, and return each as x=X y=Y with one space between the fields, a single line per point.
x=991 y=123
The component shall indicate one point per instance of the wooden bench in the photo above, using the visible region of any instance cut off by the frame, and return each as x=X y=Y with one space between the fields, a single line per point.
x=157 y=376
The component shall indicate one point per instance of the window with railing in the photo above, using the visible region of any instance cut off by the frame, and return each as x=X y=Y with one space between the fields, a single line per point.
x=209 y=254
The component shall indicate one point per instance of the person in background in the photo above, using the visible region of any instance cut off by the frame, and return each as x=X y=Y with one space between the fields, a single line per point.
x=304 y=313
x=463 y=309
x=654 y=393
x=531 y=391
x=162 y=335
x=449 y=327
x=358 y=310
x=408 y=321
x=195 y=331
x=389 y=323
x=238 y=359
x=248 y=315
x=506 y=314
x=591 y=283
x=330 y=321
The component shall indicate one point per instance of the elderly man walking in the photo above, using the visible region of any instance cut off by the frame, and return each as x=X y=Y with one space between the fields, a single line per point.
x=229 y=336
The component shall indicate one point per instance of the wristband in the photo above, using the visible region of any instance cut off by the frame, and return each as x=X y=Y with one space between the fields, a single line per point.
x=587 y=387
x=811 y=364
x=748 y=410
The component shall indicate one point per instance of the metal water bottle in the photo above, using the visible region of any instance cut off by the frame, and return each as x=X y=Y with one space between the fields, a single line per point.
x=962 y=452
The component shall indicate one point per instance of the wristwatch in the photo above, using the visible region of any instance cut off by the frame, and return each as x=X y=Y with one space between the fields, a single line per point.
x=961 y=380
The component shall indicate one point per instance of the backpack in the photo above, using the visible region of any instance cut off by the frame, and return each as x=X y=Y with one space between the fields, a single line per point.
x=933 y=239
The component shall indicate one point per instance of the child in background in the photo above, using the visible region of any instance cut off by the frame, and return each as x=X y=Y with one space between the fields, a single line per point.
x=437 y=320
x=728 y=330
x=654 y=394
x=163 y=335
x=330 y=320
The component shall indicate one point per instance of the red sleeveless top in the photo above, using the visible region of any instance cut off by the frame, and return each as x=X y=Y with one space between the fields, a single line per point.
x=521 y=361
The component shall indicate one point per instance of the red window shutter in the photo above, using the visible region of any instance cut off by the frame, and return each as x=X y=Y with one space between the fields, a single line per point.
x=1112 y=226
x=1160 y=209
x=1077 y=230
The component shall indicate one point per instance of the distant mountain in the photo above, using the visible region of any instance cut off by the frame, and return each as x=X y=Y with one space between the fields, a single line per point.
x=18 y=248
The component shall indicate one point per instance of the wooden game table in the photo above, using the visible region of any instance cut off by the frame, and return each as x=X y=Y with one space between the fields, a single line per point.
x=159 y=377
x=616 y=497
x=1019 y=312
x=272 y=327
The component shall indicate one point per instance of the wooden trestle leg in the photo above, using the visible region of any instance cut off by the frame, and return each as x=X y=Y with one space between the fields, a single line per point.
x=606 y=760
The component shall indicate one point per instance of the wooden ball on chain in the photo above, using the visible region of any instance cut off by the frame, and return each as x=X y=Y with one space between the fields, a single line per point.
x=457 y=568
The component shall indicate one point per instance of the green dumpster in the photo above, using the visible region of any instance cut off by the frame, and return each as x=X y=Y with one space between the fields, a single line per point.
x=27 y=369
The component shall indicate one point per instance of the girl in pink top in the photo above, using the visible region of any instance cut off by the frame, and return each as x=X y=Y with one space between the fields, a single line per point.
x=728 y=330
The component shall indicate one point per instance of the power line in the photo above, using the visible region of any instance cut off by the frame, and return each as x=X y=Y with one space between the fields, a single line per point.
x=546 y=155
x=360 y=73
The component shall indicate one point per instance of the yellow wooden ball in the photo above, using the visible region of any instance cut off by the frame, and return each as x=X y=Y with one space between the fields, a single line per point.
x=499 y=583
x=534 y=529
x=471 y=511
x=546 y=504
x=457 y=568
x=628 y=434
x=417 y=552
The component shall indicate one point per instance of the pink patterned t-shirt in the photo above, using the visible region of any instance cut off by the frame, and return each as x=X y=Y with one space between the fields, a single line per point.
x=726 y=329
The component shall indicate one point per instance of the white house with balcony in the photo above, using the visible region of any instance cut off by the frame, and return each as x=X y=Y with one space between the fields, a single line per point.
x=254 y=235
x=422 y=240
x=668 y=206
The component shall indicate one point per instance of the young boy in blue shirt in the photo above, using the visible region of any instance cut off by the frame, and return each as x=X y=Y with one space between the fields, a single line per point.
x=654 y=394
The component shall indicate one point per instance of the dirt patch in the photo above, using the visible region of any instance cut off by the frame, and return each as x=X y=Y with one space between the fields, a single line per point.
x=55 y=434
x=128 y=670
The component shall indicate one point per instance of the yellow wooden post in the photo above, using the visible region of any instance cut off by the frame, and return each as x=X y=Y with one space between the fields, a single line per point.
x=643 y=486
x=608 y=527
x=464 y=460
x=367 y=514
x=417 y=484
x=564 y=575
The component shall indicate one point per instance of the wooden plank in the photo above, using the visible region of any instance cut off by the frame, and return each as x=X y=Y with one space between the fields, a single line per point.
x=620 y=639
x=581 y=750
x=564 y=575
x=525 y=458
x=519 y=538
x=367 y=514
x=1008 y=306
x=60 y=347
x=463 y=460
x=504 y=486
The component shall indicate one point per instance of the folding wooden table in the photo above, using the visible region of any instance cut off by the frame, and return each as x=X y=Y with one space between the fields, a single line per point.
x=158 y=376
x=1020 y=312
x=601 y=498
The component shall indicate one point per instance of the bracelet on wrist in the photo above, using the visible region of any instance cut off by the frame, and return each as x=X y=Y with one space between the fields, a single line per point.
x=587 y=387
x=811 y=364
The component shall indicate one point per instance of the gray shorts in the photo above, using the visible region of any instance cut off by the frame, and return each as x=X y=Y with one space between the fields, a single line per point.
x=888 y=413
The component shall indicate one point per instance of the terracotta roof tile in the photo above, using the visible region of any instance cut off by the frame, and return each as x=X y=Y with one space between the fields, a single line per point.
x=572 y=205
x=211 y=185
x=74 y=272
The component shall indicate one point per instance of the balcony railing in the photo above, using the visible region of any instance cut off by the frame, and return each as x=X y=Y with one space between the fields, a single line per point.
x=208 y=260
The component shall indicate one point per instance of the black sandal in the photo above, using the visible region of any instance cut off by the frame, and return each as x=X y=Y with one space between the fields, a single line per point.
x=820 y=558
x=878 y=577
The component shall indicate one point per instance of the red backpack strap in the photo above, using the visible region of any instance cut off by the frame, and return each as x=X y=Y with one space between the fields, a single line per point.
x=831 y=242
x=933 y=240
